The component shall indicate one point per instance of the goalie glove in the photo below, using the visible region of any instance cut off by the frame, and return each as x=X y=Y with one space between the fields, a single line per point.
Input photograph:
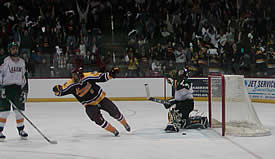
x=170 y=80
x=57 y=90
x=113 y=73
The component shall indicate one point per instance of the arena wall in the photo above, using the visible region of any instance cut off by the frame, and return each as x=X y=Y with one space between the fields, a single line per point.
x=132 y=89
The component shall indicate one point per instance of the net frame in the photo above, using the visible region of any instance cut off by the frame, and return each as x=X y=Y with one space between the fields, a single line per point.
x=251 y=127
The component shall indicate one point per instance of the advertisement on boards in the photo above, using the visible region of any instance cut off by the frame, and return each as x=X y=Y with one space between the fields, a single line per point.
x=200 y=87
x=258 y=89
x=261 y=88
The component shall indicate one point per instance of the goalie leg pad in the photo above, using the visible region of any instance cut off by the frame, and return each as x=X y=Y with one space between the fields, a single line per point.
x=197 y=123
x=174 y=118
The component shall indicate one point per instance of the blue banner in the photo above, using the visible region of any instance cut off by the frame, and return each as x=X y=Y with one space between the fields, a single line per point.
x=261 y=88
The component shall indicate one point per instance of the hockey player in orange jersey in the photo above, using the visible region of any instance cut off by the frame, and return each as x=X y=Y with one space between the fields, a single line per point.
x=83 y=86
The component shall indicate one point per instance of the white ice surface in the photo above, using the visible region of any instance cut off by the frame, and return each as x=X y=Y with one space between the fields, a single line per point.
x=79 y=138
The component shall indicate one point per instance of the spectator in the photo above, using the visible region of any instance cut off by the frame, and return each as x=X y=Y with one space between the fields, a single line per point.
x=180 y=56
x=26 y=42
x=260 y=62
x=107 y=61
x=144 y=70
x=157 y=27
x=83 y=16
x=245 y=66
x=82 y=48
x=271 y=62
x=4 y=38
x=2 y=55
x=29 y=64
x=133 y=66
x=156 y=68
x=41 y=68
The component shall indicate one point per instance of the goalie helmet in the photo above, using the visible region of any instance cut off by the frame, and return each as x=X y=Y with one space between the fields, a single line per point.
x=13 y=49
x=184 y=73
x=77 y=74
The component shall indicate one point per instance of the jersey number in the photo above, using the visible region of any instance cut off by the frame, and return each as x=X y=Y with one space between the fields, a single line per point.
x=185 y=85
x=81 y=92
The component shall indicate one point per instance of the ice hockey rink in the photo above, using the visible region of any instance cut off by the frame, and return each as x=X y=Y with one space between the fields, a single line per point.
x=79 y=138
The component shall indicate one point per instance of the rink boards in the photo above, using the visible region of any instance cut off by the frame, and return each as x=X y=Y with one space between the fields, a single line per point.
x=132 y=89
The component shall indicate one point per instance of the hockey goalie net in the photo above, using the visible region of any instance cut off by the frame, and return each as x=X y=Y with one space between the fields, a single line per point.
x=230 y=108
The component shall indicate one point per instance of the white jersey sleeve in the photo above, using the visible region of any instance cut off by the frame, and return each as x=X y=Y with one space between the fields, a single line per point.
x=12 y=72
x=183 y=94
x=184 y=90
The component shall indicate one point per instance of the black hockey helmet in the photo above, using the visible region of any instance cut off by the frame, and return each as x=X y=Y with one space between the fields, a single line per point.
x=79 y=73
x=12 y=45
x=184 y=72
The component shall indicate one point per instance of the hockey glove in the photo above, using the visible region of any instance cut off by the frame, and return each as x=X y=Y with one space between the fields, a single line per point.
x=170 y=80
x=114 y=72
x=23 y=96
x=57 y=90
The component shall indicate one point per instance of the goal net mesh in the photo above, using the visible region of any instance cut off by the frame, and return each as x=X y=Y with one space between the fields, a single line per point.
x=240 y=116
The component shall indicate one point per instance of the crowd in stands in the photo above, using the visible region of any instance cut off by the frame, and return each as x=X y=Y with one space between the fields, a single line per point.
x=142 y=37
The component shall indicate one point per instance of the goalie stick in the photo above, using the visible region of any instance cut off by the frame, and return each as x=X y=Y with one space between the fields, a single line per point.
x=45 y=137
x=164 y=102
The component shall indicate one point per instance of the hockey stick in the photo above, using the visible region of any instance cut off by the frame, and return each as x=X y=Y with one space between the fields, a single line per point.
x=45 y=137
x=164 y=102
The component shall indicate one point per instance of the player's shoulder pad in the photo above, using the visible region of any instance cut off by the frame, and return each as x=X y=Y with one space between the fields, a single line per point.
x=6 y=59
x=68 y=83
x=87 y=74
x=91 y=74
x=22 y=61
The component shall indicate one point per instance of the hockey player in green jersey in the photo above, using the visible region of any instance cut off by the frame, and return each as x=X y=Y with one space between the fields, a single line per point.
x=13 y=89
x=83 y=86
x=182 y=104
x=181 y=108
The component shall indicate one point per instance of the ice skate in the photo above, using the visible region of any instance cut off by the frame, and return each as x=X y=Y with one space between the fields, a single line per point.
x=23 y=134
x=127 y=127
x=116 y=133
x=2 y=136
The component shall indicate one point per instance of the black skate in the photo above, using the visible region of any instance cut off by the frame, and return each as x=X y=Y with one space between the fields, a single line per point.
x=127 y=127
x=23 y=134
x=116 y=133
x=2 y=136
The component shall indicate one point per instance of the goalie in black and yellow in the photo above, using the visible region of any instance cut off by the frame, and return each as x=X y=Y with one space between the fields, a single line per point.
x=83 y=86
x=182 y=104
